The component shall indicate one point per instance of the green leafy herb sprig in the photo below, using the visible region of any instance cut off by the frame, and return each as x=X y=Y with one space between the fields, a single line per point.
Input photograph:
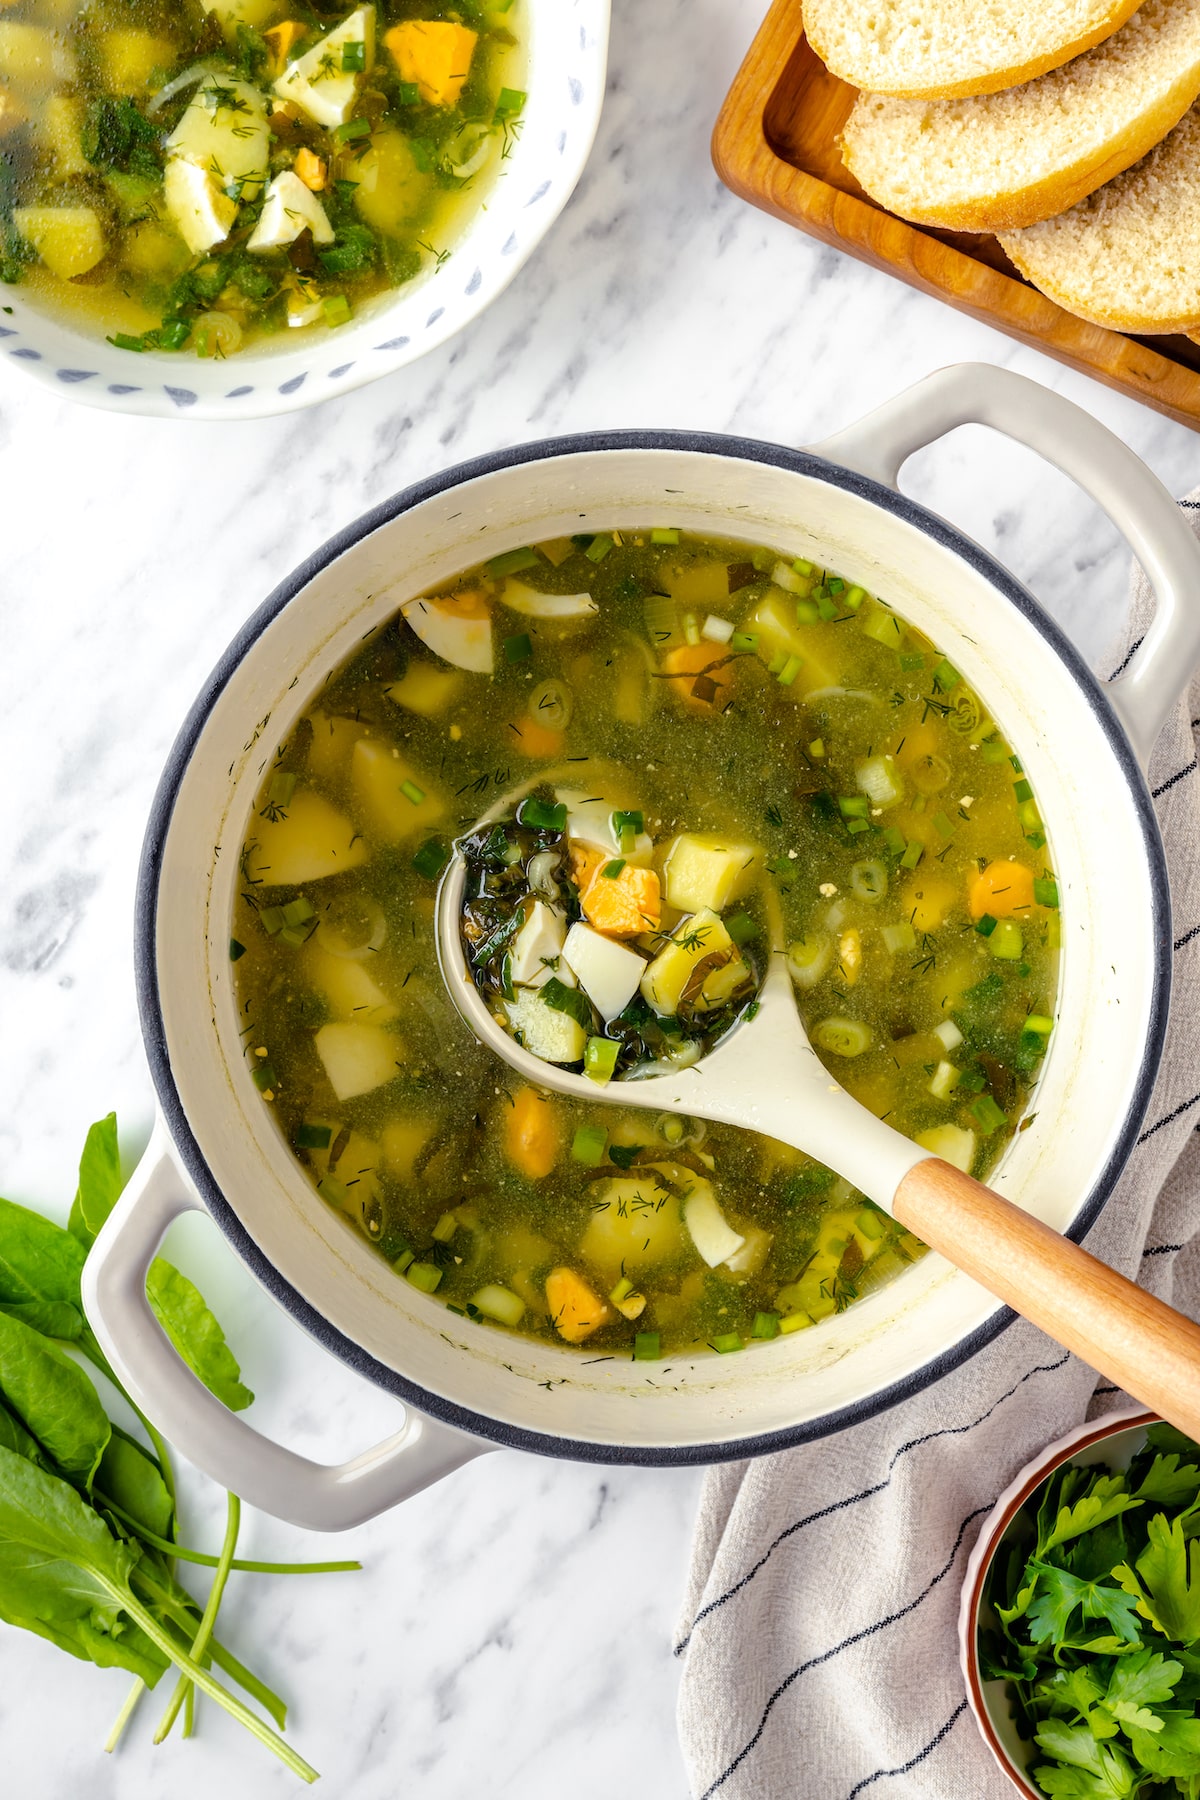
x=1096 y=1598
x=87 y=1512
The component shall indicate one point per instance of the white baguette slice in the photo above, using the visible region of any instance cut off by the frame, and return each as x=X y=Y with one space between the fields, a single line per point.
x=1129 y=255
x=1003 y=161
x=942 y=49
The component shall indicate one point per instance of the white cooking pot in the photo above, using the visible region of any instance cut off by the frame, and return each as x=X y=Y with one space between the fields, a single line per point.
x=467 y=1386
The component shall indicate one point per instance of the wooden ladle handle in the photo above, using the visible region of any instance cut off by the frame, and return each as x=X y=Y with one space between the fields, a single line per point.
x=1143 y=1345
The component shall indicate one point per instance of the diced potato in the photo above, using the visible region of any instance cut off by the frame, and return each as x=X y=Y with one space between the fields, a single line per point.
x=317 y=83
x=155 y=250
x=224 y=130
x=951 y=1143
x=310 y=840
x=425 y=690
x=697 y=584
x=378 y=776
x=233 y=13
x=358 y=1058
x=290 y=208
x=708 y=870
x=435 y=54
x=332 y=741
x=69 y=239
x=824 y=661
x=1002 y=889
x=58 y=129
x=456 y=627
x=625 y=904
x=348 y=987
x=709 y=1229
x=698 y=946
x=391 y=191
x=575 y=1310
x=401 y=1142
x=32 y=58
x=129 y=57
x=355 y=1170
x=721 y=986
x=926 y=900
x=554 y=1036
x=200 y=212
x=635 y=1225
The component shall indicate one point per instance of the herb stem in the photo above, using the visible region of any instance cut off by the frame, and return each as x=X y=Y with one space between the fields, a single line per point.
x=123 y=1717
x=242 y=1565
x=208 y=1619
x=184 y=1612
x=175 y=1652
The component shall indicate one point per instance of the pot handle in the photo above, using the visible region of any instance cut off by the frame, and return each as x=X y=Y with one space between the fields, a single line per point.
x=1118 y=480
x=317 y=1496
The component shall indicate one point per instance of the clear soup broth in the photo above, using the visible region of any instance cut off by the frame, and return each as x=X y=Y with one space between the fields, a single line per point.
x=725 y=754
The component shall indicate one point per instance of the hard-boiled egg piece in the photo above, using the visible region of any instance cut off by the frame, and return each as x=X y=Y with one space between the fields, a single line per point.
x=319 y=82
x=224 y=131
x=289 y=209
x=200 y=212
x=608 y=972
x=537 y=948
x=458 y=628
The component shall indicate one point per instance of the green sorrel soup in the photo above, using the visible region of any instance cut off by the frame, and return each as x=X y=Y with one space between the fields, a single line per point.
x=192 y=177
x=721 y=752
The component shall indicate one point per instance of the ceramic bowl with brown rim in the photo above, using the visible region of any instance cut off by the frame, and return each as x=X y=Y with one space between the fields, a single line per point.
x=1113 y=1440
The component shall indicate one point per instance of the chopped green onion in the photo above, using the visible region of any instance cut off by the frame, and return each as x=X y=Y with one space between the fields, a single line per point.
x=894 y=840
x=236 y=949
x=854 y=598
x=354 y=58
x=622 y=1290
x=911 y=659
x=431 y=858
x=412 y=792
x=1017 y=765
x=173 y=334
x=599 y=547
x=613 y=869
x=1028 y=816
x=986 y=925
x=871 y=1222
x=795 y=1321
x=445 y=1228
x=826 y=606
x=600 y=1059
x=993 y=751
x=1036 y=838
x=403 y=1259
x=589 y=1142
x=801 y=567
x=1022 y=790
x=777 y=662
x=807 y=613
x=1045 y=890
x=647 y=1346
x=835 y=584
x=282 y=787
x=425 y=1275
x=1040 y=1024
x=790 y=670
x=336 y=309
x=1007 y=941
x=352 y=129
x=511 y=562
x=264 y=1078
x=541 y=815
x=766 y=1325
x=409 y=93
x=853 y=806
x=271 y=919
x=946 y=676
x=518 y=648
x=509 y=102
x=944 y=825
x=561 y=998
x=332 y=1190
x=298 y=911
x=727 y=1342
x=313 y=1137
x=857 y=825
x=987 y=1115
x=899 y=938
x=744 y=640
x=972 y=1081
x=626 y=824
x=741 y=928
x=663 y=534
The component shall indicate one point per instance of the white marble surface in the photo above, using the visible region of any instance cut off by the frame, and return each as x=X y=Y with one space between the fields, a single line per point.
x=512 y=1632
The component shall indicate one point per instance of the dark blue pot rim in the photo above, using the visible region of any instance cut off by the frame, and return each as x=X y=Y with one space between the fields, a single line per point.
x=797 y=462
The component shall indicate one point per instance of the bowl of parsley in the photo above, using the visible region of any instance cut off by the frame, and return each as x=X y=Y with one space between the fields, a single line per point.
x=1079 y=1630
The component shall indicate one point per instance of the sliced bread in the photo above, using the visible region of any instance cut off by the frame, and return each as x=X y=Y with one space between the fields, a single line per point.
x=1129 y=255
x=941 y=49
x=1002 y=161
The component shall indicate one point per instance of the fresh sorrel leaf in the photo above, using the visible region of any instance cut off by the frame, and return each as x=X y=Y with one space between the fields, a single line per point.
x=128 y=1476
x=14 y=1437
x=53 y=1398
x=195 y=1333
x=40 y=1265
x=99 y=1181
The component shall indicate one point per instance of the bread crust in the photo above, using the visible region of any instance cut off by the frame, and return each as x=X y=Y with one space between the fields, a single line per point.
x=1039 y=200
x=1112 y=319
x=990 y=81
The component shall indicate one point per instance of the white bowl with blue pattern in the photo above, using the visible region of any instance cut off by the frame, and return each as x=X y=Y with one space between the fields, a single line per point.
x=567 y=47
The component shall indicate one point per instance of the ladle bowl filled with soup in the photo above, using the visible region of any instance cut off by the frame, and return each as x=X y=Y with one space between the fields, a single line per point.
x=685 y=705
x=230 y=207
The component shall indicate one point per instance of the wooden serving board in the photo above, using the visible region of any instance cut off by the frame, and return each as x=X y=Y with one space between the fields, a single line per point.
x=776 y=145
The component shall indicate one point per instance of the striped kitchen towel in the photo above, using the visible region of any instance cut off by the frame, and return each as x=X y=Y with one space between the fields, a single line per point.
x=819 y=1650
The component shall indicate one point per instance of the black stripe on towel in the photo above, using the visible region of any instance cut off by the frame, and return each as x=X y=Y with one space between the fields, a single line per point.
x=1186 y=938
x=1172 y=779
x=1183 y=1107
x=1127 y=658
x=903 y=1768
x=848 y=1644
x=863 y=1493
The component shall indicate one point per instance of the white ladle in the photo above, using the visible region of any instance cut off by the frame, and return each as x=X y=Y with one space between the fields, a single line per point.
x=765 y=1076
